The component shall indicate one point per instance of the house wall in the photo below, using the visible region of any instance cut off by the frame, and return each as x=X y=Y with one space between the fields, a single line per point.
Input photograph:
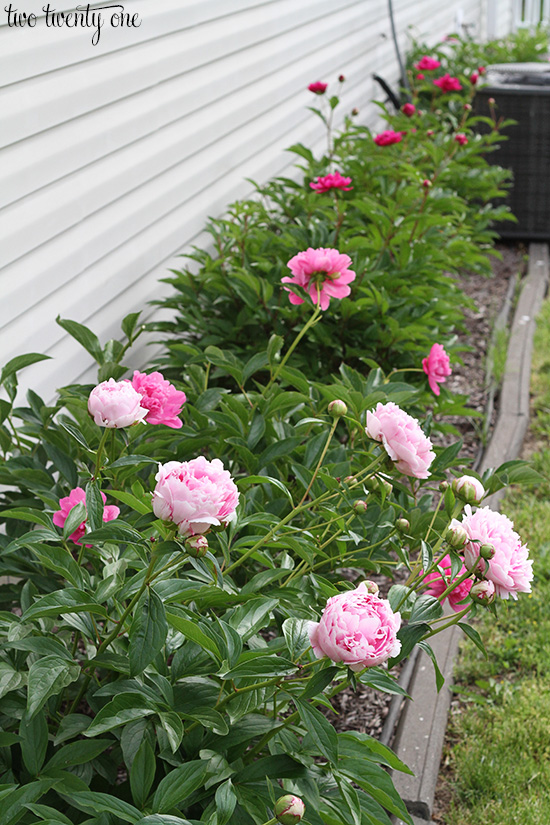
x=113 y=155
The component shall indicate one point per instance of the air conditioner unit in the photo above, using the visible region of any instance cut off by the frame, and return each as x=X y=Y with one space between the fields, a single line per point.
x=522 y=92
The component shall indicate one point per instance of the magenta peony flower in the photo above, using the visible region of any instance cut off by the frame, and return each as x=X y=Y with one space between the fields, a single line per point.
x=318 y=88
x=474 y=77
x=332 y=181
x=402 y=437
x=357 y=628
x=195 y=495
x=162 y=400
x=481 y=69
x=438 y=584
x=388 y=137
x=408 y=109
x=324 y=273
x=420 y=76
x=461 y=138
x=110 y=512
x=509 y=569
x=115 y=404
x=427 y=64
x=448 y=83
x=436 y=366
x=289 y=809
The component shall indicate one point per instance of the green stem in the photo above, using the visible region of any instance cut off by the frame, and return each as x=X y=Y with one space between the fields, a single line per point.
x=456 y=618
x=313 y=320
x=99 y=453
x=319 y=463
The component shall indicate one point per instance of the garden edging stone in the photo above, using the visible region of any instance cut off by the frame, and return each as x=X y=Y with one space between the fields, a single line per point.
x=420 y=730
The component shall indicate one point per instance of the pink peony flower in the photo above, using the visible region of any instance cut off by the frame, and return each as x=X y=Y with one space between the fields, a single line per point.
x=436 y=366
x=420 y=76
x=332 y=181
x=162 y=400
x=427 y=64
x=481 y=69
x=289 y=809
x=408 y=109
x=388 y=137
x=438 y=584
x=461 y=138
x=448 y=83
x=195 y=495
x=357 y=628
x=67 y=503
x=509 y=569
x=115 y=404
x=474 y=78
x=402 y=437
x=318 y=88
x=324 y=273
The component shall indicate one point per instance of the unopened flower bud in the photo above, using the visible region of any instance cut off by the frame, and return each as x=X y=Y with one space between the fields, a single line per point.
x=468 y=489
x=371 y=587
x=467 y=107
x=443 y=486
x=491 y=101
x=337 y=408
x=289 y=809
x=355 y=112
x=430 y=132
x=360 y=506
x=386 y=486
x=341 y=78
x=456 y=535
x=371 y=483
x=426 y=183
x=487 y=551
x=350 y=480
x=483 y=591
x=403 y=525
x=197 y=546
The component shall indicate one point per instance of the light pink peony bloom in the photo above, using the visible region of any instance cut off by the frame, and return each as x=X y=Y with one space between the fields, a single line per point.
x=332 y=181
x=427 y=64
x=436 y=366
x=408 y=109
x=448 y=83
x=438 y=585
x=115 y=404
x=289 y=809
x=195 y=495
x=162 y=400
x=318 y=88
x=388 y=137
x=402 y=437
x=461 y=139
x=357 y=628
x=110 y=512
x=509 y=569
x=324 y=273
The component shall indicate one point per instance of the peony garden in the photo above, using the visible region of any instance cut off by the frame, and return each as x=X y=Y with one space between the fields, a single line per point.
x=202 y=553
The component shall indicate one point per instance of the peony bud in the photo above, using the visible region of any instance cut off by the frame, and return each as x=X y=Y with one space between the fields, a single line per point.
x=483 y=591
x=360 y=506
x=408 y=109
x=355 y=111
x=456 y=535
x=468 y=489
x=491 y=101
x=341 y=78
x=289 y=809
x=474 y=78
x=420 y=76
x=197 y=546
x=337 y=408
x=371 y=484
x=371 y=587
x=487 y=551
x=430 y=132
x=443 y=486
x=426 y=183
x=403 y=525
x=467 y=107
x=386 y=486
x=350 y=480
x=481 y=69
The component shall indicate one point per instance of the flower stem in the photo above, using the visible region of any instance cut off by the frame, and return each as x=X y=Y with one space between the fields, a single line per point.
x=313 y=320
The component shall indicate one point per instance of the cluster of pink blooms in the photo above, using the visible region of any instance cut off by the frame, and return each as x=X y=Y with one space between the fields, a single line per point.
x=334 y=180
x=448 y=83
x=427 y=64
x=324 y=273
x=402 y=438
x=318 y=88
x=148 y=398
x=437 y=367
x=67 y=503
x=195 y=495
x=357 y=628
x=408 y=109
x=388 y=137
x=461 y=138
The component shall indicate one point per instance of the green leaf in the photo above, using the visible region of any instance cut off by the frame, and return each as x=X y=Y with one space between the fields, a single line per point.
x=74 y=432
x=163 y=819
x=33 y=734
x=267 y=480
x=14 y=807
x=94 y=505
x=131 y=461
x=439 y=678
x=114 y=531
x=105 y=803
x=45 y=812
x=194 y=634
x=124 y=708
x=48 y=677
x=211 y=719
x=279 y=767
x=34 y=516
x=139 y=505
x=318 y=682
x=59 y=602
x=425 y=609
x=10 y=679
x=260 y=666
x=179 y=785
x=226 y=801
x=173 y=726
x=274 y=347
x=75 y=518
x=19 y=362
x=142 y=773
x=296 y=633
x=78 y=753
x=148 y=631
x=248 y=618
x=319 y=730
x=409 y=636
x=129 y=323
x=84 y=336
x=472 y=634
x=279 y=449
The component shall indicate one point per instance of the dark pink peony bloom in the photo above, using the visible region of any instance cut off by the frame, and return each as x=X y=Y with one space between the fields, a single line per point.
x=110 y=512
x=420 y=76
x=388 y=137
x=438 y=585
x=427 y=64
x=318 y=88
x=461 y=138
x=408 y=109
x=324 y=273
x=474 y=78
x=162 y=400
x=448 y=83
x=332 y=181
x=437 y=367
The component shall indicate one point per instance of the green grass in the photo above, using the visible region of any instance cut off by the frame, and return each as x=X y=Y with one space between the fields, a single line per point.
x=499 y=748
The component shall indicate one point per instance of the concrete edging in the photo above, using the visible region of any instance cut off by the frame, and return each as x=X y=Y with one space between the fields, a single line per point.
x=420 y=730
